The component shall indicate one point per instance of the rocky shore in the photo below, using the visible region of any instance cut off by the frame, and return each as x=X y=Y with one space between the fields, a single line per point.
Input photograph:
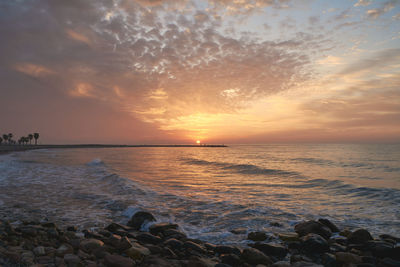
x=313 y=243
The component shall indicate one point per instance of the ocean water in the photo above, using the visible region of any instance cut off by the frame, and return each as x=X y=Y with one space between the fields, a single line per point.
x=208 y=191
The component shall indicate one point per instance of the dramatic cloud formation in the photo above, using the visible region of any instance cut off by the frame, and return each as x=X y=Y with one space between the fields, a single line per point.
x=170 y=70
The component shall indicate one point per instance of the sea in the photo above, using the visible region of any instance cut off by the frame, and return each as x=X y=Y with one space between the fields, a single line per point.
x=208 y=191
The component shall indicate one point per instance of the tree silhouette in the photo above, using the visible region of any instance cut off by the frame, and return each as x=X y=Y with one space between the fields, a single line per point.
x=36 y=136
x=1 y=140
x=10 y=135
x=5 y=137
x=30 y=136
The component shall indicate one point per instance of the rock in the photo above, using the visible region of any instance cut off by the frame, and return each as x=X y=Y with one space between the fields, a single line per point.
x=139 y=218
x=385 y=236
x=281 y=264
x=359 y=236
x=381 y=248
x=83 y=255
x=155 y=229
x=388 y=262
x=257 y=236
x=173 y=233
x=329 y=260
x=173 y=243
x=49 y=225
x=64 y=249
x=306 y=264
x=124 y=244
x=271 y=249
x=313 y=243
x=254 y=256
x=330 y=225
x=113 y=240
x=39 y=251
x=239 y=231
x=337 y=248
x=345 y=232
x=289 y=237
x=72 y=228
x=348 y=258
x=137 y=252
x=148 y=238
x=314 y=227
x=298 y=257
x=118 y=261
x=89 y=245
x=113 y=227
x=231 y=259
x=72 y=260
x=189 y=245
x=223 y=249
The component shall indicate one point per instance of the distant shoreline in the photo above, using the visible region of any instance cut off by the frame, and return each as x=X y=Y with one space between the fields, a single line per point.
x=14 y=148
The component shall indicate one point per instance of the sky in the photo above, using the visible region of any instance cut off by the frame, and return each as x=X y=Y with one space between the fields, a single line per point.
x=219 y=71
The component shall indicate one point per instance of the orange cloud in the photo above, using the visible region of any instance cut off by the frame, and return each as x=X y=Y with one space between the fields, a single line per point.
x=78 y=37
x=33 y=69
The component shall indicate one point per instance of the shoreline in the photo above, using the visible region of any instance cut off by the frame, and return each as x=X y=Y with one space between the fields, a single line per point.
x=15 y=148
x=143 y=241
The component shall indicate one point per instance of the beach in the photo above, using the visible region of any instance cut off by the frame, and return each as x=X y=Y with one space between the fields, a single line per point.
x=281 y=205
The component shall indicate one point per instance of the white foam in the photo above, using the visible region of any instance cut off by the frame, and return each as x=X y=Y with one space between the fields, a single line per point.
x=95 y=162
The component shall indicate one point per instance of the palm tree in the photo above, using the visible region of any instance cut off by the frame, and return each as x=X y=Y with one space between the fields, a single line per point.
x=10 y=135
x=5 y=137
x=36 y=136
x=30 y=136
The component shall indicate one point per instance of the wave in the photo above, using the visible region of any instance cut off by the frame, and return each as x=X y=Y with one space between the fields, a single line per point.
x=243 y=168
x=95 y=162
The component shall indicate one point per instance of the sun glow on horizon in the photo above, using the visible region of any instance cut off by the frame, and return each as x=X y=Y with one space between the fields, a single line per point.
x=198 y=142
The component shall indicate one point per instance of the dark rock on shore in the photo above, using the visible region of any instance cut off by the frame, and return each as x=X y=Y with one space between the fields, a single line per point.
x=314 y=227
x=139 y=218
x=35 y=244
x=359 y=236
x=257 y=236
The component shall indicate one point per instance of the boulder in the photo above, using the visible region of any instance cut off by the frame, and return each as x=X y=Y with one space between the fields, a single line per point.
x=257 y=236
x=72 y=260
x=348 y=258
x=139 y=218
x=173 y=243
x=137 y=252
x=64 y=249
x=254 y=256
x=330 y=225
x=381 y=248
x=232 y=260
x=39 y=251
x=155 y=229
x=91 y=244
x=189 y=245
x=271 y=249
x=118 y=261
x=148 y=238
x=224 y=249
x=359 y=236
x=305 y=228
x=289 y=237
x=313 y=243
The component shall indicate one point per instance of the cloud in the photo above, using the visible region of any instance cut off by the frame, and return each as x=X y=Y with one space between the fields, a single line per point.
x=139 y=58
x=378 y=60
x=385 y=7
x=363 y=3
